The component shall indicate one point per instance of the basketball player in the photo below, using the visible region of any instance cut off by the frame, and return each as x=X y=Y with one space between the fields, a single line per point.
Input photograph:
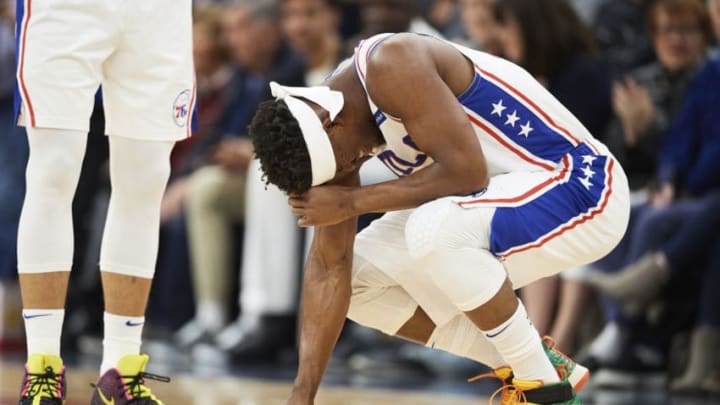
x=500 y=187
x=141 y=54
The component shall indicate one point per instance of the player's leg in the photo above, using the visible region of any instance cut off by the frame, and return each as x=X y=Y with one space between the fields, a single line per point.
x=58 y=74
x=149 y=98
x=456 y=240
x=45 y=250
x=381 y=303
x=139 y=171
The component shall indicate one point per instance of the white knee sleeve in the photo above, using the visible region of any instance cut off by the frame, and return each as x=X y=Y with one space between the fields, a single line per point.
x=139 y=171
x=45 y=234
x=453 y=242
x=461 y=337
x=377 y=301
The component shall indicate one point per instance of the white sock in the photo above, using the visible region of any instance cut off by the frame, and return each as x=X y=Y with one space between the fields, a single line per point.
x=123 y=336
x=43 y=328
x=519 y=343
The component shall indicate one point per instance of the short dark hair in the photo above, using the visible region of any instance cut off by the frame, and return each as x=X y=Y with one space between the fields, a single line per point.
x=281 y=148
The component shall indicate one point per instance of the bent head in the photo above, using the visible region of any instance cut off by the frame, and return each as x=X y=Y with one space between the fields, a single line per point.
x=304 y=145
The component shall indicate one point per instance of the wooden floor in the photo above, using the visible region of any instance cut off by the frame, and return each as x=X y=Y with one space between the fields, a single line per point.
x=189 y=390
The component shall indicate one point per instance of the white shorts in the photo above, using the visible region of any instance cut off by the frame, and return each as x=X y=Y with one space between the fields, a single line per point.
x=140 y=51
x=537 y=224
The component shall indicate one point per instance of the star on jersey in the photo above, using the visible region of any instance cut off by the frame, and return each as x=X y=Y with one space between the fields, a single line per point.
x=588 y=159
x=585 y=182
x=498 y=108
x=512 y=118
x=587 y=172
x=525 y=129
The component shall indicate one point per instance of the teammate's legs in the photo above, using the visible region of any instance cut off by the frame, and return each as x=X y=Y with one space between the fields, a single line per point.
x=139 y=171
x=45 y=234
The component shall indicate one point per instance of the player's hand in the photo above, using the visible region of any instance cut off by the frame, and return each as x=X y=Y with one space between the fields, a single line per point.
x=324 y=205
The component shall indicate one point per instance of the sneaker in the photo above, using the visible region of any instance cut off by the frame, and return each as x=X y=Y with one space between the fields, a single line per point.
x=44 y=382
x=125 y=384
x=577 y=375
x=536 y=393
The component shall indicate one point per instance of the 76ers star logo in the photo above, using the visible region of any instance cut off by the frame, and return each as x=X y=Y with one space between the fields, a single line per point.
x=181 y=108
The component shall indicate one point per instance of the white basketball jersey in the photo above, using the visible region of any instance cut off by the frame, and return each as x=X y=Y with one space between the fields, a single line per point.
x=520 y=125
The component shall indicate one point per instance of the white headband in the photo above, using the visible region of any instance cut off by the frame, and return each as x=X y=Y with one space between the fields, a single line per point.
x=322 y=157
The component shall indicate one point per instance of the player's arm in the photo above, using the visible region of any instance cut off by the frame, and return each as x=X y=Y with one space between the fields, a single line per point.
x=326 y=298
x=418 y=94
x=405 y=79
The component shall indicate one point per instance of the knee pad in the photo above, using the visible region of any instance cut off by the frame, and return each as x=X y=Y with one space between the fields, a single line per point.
x=377 y=301
x=54 y=165
x=45 y=233
x=138 y=172
x=442 y=224
x=469 y=277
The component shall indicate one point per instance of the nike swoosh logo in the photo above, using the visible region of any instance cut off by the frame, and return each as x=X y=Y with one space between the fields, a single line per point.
x=104 y=399
x=501 y=331
x=131 y=323
x=35 y=316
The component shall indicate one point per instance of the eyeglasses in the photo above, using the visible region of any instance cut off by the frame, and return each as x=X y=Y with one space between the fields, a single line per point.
x=679 y=30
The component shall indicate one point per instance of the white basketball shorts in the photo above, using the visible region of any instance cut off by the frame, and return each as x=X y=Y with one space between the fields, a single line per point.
x=536 y=224
x=140 y=51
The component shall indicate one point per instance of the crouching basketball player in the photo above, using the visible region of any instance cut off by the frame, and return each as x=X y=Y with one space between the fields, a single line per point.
x=500 y=186
x=141 y=53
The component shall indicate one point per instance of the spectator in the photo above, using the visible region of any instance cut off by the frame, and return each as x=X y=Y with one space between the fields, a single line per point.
x=380 y=16
x=620 y=29
x=646 y=101
x=311 y=28
x=478 y=20
x=680 y=242
x=270 y=255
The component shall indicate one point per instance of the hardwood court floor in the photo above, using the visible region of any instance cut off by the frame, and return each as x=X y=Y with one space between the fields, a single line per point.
x=190 y=390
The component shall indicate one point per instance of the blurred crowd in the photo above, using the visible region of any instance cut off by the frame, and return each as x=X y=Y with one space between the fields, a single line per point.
x=643 y=76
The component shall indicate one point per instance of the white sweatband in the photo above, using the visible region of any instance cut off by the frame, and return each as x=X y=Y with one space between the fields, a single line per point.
x=322 y=157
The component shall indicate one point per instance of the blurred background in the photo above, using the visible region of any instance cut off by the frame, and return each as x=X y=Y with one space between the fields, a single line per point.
x=643 y=76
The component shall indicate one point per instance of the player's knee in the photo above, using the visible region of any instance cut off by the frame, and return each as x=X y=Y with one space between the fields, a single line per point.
x=426 y=226
x=146 y=181
x=55 y=172
x=375 y=300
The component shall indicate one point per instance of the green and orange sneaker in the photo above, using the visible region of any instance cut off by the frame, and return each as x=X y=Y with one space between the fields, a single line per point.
x=523 y=392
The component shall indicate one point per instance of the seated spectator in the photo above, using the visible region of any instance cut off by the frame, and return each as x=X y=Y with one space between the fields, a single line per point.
x=649 y=103
x=680 y=242
x=646 y=100
x=231 y=190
